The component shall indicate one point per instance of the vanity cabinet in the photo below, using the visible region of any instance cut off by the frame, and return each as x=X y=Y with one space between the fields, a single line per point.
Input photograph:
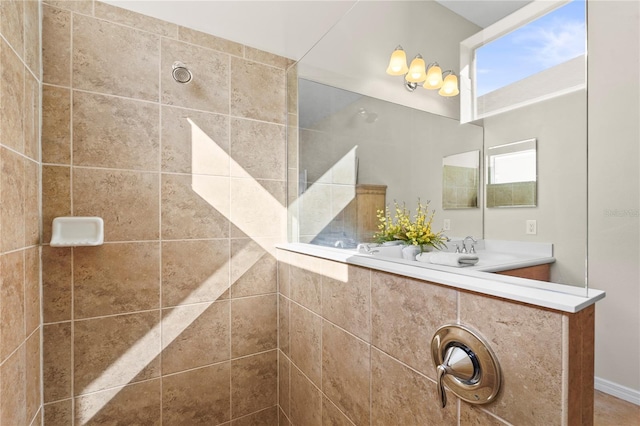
x=538 y=272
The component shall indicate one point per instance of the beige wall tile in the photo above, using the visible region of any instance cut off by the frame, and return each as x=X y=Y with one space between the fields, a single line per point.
x=471 y=415
x=56 y=197
x=136 y=20
x=306 y=400
x=395 y=327
x=125 y=63
x=346 y=369
x=531 y=363
x=195 y=207
x=56 y=362
x=197 y=397
x=31 y=115
x=195 y=335
x=115 y=133
x=267 y=417
x=306 y=342
x=253 y=383
x=13 y=399
x=12 y=212
x=209 y=88
x=292 y=90
x=99 y=343
x=56 y=46
x=209 y=41
x=116 y=278
x=248 y=196
x=127 y=201
x=284 y=383
x=31 y=289
x=58 y=413
x=400 y=395
x=12 y=92
x=253 y=268
x=31 y=203
x=305 y=285
x=332 y=416
x=283 y=420
x=81 y=6
x=254 y=325
x=134 y=404
x=12 y=24
x=257 y=149
x=346 y=304
x=194 y=271
x=283 y=272
x=194 y=142
x=56 y=128
x=37 y=419
x=267 y=58
x=12 y=307
x=32 y=376
x=283 y=324
x=32 y=42
x=56 y=284
x=257 y=91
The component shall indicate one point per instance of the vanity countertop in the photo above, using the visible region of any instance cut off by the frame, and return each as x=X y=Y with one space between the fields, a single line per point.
x=560 y=297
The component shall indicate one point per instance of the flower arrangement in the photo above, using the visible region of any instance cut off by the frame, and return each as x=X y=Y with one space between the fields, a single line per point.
x=416 y=232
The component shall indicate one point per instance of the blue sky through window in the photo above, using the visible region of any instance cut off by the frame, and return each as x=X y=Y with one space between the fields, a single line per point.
x=548 y=41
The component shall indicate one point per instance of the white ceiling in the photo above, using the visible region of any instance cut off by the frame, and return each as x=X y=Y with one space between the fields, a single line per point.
x=286 y=28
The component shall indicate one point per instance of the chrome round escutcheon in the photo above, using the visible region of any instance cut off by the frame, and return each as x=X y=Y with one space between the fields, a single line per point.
x=466 y=364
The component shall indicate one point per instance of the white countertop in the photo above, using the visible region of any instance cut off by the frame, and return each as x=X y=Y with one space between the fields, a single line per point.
x=548 y=295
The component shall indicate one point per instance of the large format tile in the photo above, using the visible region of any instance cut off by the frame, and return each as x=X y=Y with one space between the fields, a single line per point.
x=31 y=290
x=58 y=413
x=195 y=335
x=114 y=132
x=257 y=91
x=32 y=37
x=136 y=20
x=306 y=342
x=12 y=24
x=31 y=116
x=84 y=7
x=56 y=284
x=116 y=278
x=531 y=362
x=195 y=207
x=114 y=351
x=209 y=41
x=253 y=383
x=253 y=267
x=283 y=324
x=194 y=271
x=306 y=400
x=209 y=88
x=56 y=196
x=332 y=416
x=12 y=305
x=405 y=314
x=473 y=415
x=32 y=375
x=266 y=417
x=56 y=361
x=31 y=203
x=197 y=397
x=56 y=46
x=257 y=208
x=125 y=63
x=346 y=304
x=127 y=201
x=305 y=281
x=267 y=58
x=257 y=149
x=346 y=369
x=254 y=323
x=194 y=142
x=13 y=399
x=284 y=382
x=12 y=212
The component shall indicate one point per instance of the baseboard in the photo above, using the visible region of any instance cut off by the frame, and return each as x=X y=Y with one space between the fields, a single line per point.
x=619 y=391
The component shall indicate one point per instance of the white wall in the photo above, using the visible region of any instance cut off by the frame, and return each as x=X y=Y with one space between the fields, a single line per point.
x=614 y=190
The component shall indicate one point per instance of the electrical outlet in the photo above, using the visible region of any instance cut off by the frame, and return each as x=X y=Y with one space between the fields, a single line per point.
x=532 y=227
x=446 y=225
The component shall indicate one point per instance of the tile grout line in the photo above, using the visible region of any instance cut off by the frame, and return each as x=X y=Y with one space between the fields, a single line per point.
x=160 y=241
x=71 y=208
x=228 y=224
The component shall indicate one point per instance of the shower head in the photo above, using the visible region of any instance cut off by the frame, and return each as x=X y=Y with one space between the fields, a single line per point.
x=181 y=73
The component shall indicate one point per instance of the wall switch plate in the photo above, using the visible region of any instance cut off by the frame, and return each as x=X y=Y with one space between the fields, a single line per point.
x=446 y=225
x=532 y=227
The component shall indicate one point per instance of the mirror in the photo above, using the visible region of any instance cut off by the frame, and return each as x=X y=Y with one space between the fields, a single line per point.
x=460 y=180
x=381 y=112
x=511 y=175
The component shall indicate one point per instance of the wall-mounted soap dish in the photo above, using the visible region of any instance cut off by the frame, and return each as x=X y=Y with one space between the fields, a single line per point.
x=77 y=231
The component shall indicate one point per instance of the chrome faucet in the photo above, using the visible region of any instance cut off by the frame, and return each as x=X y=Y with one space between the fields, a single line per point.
x=464 y=245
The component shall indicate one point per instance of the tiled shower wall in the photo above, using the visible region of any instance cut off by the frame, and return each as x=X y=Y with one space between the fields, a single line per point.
x=172 y=320
x=20 y=389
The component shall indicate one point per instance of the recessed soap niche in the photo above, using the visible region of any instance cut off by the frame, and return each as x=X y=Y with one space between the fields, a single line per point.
x=77 y=231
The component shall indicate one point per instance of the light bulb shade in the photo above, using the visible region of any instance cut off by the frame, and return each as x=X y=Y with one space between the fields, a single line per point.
x=398 y=62
x=434 y=78
x=417 y=72
x=449 y=86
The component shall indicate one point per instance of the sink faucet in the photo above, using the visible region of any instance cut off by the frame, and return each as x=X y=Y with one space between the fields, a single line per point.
x=464 y=245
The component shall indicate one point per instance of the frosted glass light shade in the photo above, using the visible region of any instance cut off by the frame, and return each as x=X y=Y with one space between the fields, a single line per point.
x=449 y=86
x=434 y=78
x=417 y=72
x=398 y=62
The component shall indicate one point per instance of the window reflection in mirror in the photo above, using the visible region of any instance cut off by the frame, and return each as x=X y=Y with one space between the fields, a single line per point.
x=511 y=175
x=460 y=175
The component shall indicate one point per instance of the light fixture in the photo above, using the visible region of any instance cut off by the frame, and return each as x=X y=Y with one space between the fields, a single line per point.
x=450 y=85
x=417 y=72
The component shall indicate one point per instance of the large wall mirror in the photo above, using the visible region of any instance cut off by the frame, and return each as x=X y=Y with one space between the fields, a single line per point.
x=356 y=130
